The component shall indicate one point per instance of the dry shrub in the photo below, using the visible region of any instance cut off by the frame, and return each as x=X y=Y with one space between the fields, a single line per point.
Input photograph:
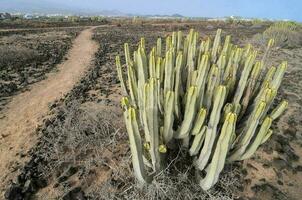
x=79 y=138
x=176 y=182
x=12 y=53
x=286 y=35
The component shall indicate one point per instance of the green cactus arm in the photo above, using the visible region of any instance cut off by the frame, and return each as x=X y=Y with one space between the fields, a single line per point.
x=201 y=116
x=121 y=75
x=152 y=64
x=142 y=43
x=227 y=71
x=185 y=50
x=267 y=136
x=162 y=71
x=220 y=152
x=200 y=52
x=142 y=66
x=270 y=74
x=169 y=72
x=168 y=43
x=190 y=67
x=179 y=41
x=207 y=45
x=203 y=69
x=197 y=142
x=160 y=76
x=267 y=79
x=178 y=90
x=226 y=143
x=132 y=83
x=168 y=116
x=174 y=40
x=202 y=48
x=160 y=96
x=258 y=140
x=238 y=55
x=256 y=76
x=267 y=51
x=219 y=98
x=151 y=112
x=256 y=70
x=127 y=54
x=125 y=103
x=276 y=81
x=136 y=147
x=216 y=44
x=142 y=75
x=134 y=61
x=191 y=60
x=221 y=66
x=250 y=88
x=265 y=83
x=193 y=78
x=212 y=82
x=266 y=96
x=246 y=51
x=189 y=115
x=190 y=35
x=247 y=134
x=158 y=47
x=226 y=46
x=243 y=78
x=159 y=70
x=270 y=98
x=272 y=81
x=279 y=110
x=144 y=113
x=194 y=47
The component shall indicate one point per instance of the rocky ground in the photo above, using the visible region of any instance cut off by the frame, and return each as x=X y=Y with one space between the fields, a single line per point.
x=26 y=57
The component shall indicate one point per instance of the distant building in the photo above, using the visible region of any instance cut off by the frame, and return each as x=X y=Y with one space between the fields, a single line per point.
x=31 y=16
x=5 y=16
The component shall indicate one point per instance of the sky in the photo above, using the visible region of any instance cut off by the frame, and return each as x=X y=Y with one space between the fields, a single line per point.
x=271 y=9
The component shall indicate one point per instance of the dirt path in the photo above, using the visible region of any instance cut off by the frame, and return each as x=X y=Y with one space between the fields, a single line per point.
x=25 y=111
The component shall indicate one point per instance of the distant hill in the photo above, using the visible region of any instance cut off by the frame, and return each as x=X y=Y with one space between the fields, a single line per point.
x=50 y=7
x=62 y=7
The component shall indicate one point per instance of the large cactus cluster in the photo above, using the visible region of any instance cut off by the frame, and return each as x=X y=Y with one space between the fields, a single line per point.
x=212 y=97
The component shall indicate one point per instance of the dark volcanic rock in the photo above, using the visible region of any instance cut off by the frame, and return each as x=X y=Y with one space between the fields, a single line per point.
x=14 y=193
x=75 y=194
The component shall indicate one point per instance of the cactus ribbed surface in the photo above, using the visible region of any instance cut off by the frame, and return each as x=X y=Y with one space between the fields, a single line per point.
x=214 y=98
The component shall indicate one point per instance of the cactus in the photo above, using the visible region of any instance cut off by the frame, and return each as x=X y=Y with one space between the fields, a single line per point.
x=214 y=96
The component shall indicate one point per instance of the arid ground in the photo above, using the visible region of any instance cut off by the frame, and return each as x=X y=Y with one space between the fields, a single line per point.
x=62 y=134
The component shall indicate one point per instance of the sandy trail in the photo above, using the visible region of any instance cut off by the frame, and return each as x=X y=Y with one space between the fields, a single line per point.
x=26 y=110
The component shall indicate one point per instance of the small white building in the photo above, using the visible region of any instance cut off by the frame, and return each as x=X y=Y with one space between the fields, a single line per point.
x=28 y=16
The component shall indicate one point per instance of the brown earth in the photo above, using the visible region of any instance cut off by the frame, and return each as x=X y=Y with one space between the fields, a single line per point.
x=26 y=110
